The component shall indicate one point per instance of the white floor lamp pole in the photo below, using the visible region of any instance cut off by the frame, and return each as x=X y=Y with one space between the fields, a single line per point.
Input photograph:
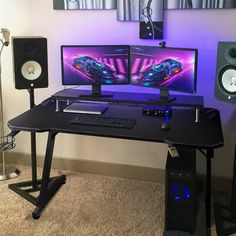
x=6 y=142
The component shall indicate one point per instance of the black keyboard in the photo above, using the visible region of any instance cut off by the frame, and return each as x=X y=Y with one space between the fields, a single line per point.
x=104 y=121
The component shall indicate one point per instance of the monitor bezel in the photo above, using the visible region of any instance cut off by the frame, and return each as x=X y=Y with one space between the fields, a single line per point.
x=194 y=91
x=94 y=46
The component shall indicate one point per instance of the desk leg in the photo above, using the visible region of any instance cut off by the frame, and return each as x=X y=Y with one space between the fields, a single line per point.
x=209 y=156
x=49 y=186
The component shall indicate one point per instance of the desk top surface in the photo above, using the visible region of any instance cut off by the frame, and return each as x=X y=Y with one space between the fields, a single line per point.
x=183 y=128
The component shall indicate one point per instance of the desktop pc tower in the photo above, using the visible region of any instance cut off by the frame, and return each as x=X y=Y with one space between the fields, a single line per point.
x=181 y=191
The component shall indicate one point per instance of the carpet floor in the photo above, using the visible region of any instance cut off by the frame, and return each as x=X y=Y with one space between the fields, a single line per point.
x=88 y=205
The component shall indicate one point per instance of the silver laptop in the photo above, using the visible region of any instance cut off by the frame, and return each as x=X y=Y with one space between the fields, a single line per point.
x=86 y=108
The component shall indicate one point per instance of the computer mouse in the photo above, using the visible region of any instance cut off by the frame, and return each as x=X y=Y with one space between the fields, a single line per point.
x=165 y=125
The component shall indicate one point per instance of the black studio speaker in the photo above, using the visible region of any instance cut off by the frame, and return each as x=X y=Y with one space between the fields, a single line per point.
x=225 y=85
x=30 y=62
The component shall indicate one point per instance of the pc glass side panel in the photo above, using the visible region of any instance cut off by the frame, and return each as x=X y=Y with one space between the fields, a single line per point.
x=95 y=65
x=164 y=68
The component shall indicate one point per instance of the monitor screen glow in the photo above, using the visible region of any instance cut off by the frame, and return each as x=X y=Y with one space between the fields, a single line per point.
x=164 y=68
x=95 y=65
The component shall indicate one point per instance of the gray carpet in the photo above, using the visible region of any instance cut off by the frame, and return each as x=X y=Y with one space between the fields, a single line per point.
x=87 y=205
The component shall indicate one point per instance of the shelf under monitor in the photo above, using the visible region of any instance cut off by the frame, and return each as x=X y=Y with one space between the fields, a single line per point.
x=175 y=100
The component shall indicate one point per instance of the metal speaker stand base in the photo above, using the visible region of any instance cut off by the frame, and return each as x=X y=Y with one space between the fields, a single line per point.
x=9 y=173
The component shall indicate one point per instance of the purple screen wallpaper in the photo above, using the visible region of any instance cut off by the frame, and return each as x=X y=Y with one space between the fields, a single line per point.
x=170 y=68
x=88 y=65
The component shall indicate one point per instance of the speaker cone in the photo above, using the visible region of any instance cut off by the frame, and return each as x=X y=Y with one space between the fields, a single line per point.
x=31 y=70
x=228 y=80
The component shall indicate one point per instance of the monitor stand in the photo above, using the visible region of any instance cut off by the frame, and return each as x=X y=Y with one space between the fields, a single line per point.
x=164 y=96
x=96 y=93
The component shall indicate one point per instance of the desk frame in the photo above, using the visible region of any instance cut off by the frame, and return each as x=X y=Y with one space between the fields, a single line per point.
x=47 y=186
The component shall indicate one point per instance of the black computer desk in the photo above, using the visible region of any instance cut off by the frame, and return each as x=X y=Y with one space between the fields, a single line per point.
x=205 y=135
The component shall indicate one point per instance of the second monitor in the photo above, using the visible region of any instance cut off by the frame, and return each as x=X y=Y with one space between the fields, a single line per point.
x=164 y=68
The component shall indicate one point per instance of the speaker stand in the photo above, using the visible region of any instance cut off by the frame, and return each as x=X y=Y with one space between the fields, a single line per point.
x=225 y=216
x=33 y=145
x=25 y=189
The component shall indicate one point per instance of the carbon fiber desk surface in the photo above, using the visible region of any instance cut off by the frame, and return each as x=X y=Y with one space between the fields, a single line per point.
x=183 y=130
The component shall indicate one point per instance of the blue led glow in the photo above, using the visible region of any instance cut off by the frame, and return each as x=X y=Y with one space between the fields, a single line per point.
x=166 y=118
x=177 y=198
x=180 y=192
x=186 y=192
x=174 y=187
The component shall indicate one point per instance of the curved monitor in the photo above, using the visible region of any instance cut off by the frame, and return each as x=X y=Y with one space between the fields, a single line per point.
x=164 y=68
x=95 y=65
